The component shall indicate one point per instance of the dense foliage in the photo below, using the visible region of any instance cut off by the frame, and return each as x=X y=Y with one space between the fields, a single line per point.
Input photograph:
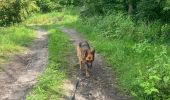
x=14 y=11
x=141 y=9
x=50 y=5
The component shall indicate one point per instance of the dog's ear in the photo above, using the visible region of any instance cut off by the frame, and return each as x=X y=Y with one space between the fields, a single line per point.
x=92 y=51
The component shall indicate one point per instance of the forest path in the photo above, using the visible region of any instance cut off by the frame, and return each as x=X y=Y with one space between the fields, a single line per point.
x=20 y=74
x=100 y=86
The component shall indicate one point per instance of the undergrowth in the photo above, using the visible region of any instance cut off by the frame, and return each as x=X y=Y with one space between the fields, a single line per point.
x=13 y=40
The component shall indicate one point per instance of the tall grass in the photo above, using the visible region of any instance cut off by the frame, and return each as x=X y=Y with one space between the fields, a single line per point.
x=57 y=18
x=14 y=39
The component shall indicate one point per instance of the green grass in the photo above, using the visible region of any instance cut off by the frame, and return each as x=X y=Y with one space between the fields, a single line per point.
x=14 y=40
x=49 y=85
x=53 y=18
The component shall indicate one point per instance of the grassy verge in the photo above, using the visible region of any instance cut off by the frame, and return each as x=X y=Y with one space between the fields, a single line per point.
x=49 y=84
x=13 y=40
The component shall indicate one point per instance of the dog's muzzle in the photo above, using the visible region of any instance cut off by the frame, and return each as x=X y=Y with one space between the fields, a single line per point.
x=89 y=64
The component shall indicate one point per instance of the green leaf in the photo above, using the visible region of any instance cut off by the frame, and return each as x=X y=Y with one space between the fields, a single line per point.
x=166 y=79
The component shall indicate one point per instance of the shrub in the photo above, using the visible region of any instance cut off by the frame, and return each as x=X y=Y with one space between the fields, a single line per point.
x=153 y=80
x=14 y=11
x=49 y=5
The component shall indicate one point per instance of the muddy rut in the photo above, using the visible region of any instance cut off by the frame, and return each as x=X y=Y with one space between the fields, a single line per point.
x=100 y=86
x=19 y=75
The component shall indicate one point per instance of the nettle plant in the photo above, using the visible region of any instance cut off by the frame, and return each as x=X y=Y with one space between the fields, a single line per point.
x=153 y=81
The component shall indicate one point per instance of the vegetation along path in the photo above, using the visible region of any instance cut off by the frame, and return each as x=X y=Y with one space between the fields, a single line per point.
x=100 y=86
x=19 y=75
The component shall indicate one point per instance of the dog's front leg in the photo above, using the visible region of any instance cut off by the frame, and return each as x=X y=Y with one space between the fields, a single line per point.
x=81 y=63
x=87 y=72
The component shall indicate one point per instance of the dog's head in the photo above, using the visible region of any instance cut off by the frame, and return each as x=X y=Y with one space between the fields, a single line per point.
x=89 y=57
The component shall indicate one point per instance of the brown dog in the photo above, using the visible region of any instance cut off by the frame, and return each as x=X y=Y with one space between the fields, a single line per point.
x=85 y=56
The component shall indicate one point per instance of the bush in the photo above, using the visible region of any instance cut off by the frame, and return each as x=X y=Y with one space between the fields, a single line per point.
x=153 y=81
x=14 y=11
x=165 y=29
x=52 y=5
x=121 y=26
x=49 y=5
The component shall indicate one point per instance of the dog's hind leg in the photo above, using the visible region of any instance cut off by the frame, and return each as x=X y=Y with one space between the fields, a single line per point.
x=79 y=56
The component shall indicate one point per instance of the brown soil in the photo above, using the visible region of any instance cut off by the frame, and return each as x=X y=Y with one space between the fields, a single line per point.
x=100 y=86
x=19 y=75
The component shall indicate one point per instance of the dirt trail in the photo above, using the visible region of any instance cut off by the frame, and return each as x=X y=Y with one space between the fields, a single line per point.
x=100 y=86
x=19 y=75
